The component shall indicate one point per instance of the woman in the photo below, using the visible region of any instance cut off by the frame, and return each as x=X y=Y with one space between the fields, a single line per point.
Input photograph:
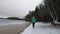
x=33 y=21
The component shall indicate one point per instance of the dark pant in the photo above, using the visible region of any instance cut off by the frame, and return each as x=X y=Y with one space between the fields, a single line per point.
x=33 y=24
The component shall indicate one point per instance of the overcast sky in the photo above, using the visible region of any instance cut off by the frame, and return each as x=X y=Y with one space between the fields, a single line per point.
x=17 y=8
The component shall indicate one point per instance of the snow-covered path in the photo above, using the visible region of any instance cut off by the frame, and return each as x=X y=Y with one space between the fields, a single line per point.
x=42 y=28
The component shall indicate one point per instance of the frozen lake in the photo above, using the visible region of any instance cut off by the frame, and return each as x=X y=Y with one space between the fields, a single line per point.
x=8 y=22
x=12 y=26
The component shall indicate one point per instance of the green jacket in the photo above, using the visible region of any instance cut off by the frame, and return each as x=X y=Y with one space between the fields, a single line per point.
x=33 y=20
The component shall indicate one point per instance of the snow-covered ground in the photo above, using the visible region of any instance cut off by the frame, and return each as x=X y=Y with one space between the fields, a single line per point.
x=42 y=28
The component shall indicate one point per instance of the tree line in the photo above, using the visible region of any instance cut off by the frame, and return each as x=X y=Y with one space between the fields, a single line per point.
x=47 y=11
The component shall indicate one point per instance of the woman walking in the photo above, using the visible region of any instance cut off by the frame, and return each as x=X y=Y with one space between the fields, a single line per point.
x=33 y=21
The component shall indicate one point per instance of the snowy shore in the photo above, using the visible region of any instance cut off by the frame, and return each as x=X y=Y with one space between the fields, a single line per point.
x=13 y=28
x=42 y=28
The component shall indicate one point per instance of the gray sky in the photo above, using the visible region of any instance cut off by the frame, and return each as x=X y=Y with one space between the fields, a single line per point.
x=17 y=8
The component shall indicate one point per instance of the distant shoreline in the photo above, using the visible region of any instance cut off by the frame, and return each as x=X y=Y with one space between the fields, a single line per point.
x=14 y=18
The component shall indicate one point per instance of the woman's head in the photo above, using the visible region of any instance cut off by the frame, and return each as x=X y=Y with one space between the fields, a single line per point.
x=33 y=16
